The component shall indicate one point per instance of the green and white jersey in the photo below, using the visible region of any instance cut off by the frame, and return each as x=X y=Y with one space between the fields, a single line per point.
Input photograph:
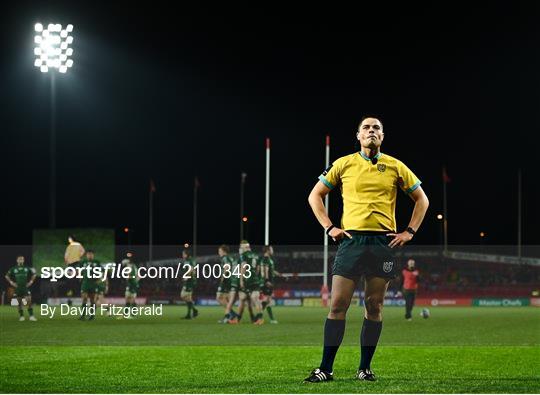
x=87 y=278
x=251 y=259
x=101 y=279
x=235 y=271
x=189 y=279
x=227 y=260
x=267 y=261
x=133 y=279
x=227 y=266
x=20 y=275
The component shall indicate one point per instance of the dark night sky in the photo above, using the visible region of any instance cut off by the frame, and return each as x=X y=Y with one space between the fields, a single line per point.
x=170 y=94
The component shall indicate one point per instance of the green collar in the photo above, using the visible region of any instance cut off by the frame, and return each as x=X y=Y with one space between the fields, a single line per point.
x=367 y=157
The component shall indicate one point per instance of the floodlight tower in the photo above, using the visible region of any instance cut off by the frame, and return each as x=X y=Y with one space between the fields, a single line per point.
x=53 y=54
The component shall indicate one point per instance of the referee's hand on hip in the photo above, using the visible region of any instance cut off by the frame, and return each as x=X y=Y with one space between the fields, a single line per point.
x=338 y=234
x=399 y=239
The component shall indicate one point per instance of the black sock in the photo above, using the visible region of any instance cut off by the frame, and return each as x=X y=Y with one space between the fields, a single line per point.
x=21 y=314
x=333 y=335
x=83 y=310
x=269 y=309
x=189 y=307
x=30 y=311
x=369 y=337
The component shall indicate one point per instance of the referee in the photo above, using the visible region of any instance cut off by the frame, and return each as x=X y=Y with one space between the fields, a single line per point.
x=368 y=181
x=72 y=257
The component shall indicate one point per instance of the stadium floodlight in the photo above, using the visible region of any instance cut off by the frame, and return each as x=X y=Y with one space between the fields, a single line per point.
x=52 y=48
x=53 y=53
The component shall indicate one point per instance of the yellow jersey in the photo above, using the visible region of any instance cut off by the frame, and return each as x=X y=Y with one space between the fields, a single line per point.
x=74 y=252
x=369 y=191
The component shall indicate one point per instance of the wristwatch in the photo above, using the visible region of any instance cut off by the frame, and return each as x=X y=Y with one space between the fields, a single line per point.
x=410 y=230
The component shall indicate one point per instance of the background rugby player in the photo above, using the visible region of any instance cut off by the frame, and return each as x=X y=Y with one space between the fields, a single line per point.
x=89 y=285
x=190 y=281
x=21 y=278
x=250 y=284
x=410 y=285
x=231 y=317
x=268 y=269
x=368 y=180
x=72 y=256
x=132 y=285
x=224 y=288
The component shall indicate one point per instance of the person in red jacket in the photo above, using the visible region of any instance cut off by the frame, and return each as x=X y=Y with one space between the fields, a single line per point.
x=410 y=285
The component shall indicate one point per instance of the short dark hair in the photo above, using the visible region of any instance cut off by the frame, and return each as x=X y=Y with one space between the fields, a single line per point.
x=357 y=146
x=72 y=237
x=90 y=251
x=225 y=248
x=369 y=116
x=266 y=249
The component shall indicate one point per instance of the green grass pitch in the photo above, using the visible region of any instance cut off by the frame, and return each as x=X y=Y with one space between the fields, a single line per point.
x=456 y=350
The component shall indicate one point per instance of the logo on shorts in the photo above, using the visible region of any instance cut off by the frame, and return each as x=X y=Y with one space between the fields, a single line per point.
x=381 y=167
x=387 y=266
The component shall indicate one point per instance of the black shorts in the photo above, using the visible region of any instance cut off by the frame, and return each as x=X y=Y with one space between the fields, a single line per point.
x=267 y=290
x=366 y=254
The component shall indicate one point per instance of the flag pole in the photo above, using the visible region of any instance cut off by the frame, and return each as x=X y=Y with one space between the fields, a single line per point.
x=151 y=221
x=267 y=197
x=242 y=184
x=445 y=212
x=195 y=215
x=326 y=203
x=324 y=291
x=519 y=217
